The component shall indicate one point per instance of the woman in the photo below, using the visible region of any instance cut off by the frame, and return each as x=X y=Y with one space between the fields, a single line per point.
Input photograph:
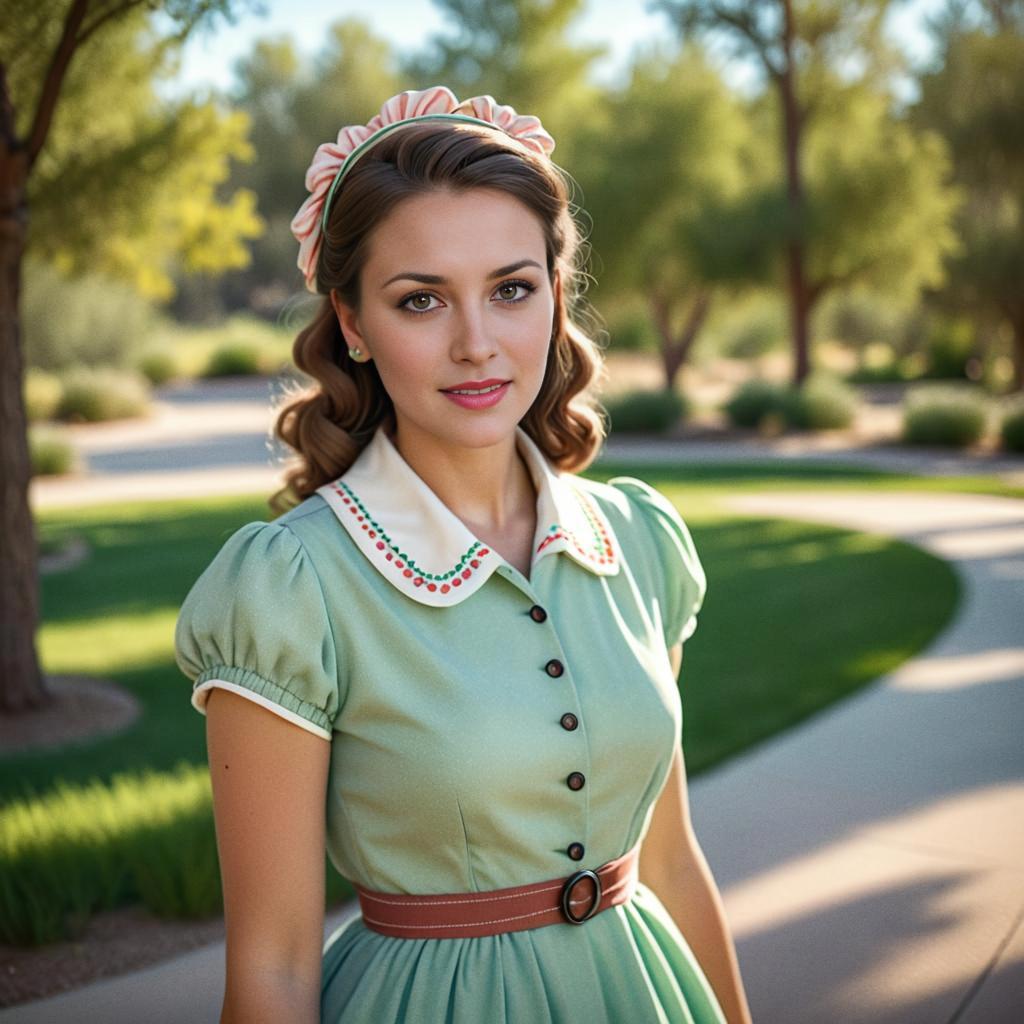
x=488 y=643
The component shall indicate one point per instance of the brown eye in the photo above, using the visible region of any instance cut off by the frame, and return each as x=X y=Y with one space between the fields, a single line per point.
x=420 y=302
x=508 y=290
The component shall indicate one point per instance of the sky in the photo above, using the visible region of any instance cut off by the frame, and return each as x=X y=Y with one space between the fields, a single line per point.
x=208 y=58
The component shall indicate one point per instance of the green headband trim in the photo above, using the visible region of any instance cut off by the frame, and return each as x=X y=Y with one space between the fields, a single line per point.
x=372 y=141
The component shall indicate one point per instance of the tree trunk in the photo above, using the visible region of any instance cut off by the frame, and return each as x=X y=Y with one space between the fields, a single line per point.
x=21 y=681
x=674 y=351
x=799 y=300
x=1018 y=353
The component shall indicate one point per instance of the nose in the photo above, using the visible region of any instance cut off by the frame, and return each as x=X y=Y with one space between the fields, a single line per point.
x=473 y=339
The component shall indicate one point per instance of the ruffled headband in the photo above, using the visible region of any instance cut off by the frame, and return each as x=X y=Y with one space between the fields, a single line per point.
x=333 y=160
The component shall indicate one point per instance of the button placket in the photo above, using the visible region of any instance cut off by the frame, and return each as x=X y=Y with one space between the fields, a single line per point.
x=555 y=668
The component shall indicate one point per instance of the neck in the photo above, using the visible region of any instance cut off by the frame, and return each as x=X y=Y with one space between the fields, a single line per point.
x=488 y=488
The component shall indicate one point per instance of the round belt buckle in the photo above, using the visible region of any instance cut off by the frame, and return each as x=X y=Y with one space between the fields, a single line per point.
x=567 y=896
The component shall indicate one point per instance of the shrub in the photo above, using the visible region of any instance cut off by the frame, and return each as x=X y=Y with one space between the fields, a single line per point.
x=950 y=345
x=49 y=454
x=822 y=403
x=754 y=400
x=646 y=412
x=944 y=415
x=103 y=394
x=42 y=393
x=158 y=366
x=1011 y=430
x=233 y=359
x=83 y=321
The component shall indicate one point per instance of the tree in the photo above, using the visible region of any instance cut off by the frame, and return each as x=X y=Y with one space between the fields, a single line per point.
x=294 y=106
x=54 y=53
x=864 y=198
x=667 y=177
x=794 y=42
x=974 y=97
x=518 y=51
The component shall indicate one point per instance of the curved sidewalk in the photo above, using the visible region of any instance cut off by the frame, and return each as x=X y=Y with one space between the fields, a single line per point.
x=871 y=859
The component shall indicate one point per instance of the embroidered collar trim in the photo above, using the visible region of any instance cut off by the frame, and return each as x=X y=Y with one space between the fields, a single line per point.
x=417 y=543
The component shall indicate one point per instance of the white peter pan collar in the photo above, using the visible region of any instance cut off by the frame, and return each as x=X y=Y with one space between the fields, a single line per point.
x=417 y=543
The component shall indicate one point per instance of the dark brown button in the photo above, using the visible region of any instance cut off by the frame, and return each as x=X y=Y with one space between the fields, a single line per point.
x=537 y=613
x=569 y=721
x=554 y=668
x=576 y=780
x=575 y=850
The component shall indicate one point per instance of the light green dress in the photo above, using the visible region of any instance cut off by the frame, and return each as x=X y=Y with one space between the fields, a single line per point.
x=458 y=697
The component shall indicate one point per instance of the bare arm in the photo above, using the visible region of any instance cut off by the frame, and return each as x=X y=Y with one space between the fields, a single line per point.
x=673 y=865
x=269 y=780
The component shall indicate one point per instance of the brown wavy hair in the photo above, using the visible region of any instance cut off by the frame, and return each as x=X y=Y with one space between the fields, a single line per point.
x=331 y=421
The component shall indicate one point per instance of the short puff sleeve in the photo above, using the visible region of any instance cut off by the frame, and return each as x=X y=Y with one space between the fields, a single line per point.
x=256 y=622
x=680 y=571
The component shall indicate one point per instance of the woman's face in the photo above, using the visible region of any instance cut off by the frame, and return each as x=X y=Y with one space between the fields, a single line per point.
x=455 y=294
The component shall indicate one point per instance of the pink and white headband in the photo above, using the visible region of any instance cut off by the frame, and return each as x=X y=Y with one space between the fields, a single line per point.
x=333 y=160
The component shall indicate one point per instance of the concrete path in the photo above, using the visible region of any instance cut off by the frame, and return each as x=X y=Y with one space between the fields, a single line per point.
x=872 y=859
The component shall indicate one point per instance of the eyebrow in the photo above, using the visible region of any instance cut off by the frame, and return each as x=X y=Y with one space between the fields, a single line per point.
x=437 y=279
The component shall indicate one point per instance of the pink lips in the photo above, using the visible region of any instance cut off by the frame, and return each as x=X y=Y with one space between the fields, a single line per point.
x=482 y=401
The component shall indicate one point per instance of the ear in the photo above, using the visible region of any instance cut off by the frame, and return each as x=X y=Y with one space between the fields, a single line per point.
x=348 y=319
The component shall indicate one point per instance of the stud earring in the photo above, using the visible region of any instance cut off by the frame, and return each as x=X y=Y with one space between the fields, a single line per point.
x=355 y=353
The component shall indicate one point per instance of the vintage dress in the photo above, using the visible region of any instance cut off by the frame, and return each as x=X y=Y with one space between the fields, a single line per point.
x=459 y=696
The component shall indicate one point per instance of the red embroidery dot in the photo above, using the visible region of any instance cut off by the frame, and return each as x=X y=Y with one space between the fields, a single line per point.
x=483 y=551
x=354 y=510
x=431 y=587
x=475 y=563
x=373 y=533
x=359 y=519
x=348 y=501
x=365 y=527
x=456 y=582
x=389 y=556
x=380 y=544
x=466 y=573
x=399 y=563
x=418 y=582
x=407 y=574
x=445 y=588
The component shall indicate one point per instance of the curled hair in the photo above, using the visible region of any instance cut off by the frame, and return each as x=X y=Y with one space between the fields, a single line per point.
x=331 y=421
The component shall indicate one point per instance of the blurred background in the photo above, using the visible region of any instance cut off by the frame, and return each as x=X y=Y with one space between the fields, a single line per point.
x=806 y=268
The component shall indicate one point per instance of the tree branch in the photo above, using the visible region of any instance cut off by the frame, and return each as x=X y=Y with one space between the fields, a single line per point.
x=745 y=27
x=55 y=78
x=7 y=132
x=114 y=12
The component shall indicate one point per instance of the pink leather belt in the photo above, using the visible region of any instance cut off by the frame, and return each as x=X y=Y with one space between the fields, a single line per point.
x=573 y=900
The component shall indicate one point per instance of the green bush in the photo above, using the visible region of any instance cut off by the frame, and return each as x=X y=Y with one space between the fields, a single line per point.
x=753 y=401
x=822 y=403
x=42 y=393
x=158 y=366
x=1011 y=429
x=950 y=344
x=944 y=415
x=236 y=358
x=93 y=395
x=646 y=412
x=84 y=321
x=49 y=454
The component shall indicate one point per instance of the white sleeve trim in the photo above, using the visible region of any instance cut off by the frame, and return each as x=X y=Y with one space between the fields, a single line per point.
x=201 y=693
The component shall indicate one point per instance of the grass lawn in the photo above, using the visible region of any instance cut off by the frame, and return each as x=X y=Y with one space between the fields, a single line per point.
x=796 y=616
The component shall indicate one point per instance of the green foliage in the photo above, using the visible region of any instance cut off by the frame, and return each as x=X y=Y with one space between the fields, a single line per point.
x=128 y=184
x=158 y=366
x=49 y=453
x=234 y=359
x=522 y=53
x=1011 y=429
x=821 y=403
x=944 y=415
x=646 y=412
x=973 y=97
x=760 y=328
x=951 y=342
x=41 y=393
x=91 y=320
x=92 y=395
x=754 y=400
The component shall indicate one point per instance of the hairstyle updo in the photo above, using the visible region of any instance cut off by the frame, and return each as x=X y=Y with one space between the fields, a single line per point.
x=331 y=421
